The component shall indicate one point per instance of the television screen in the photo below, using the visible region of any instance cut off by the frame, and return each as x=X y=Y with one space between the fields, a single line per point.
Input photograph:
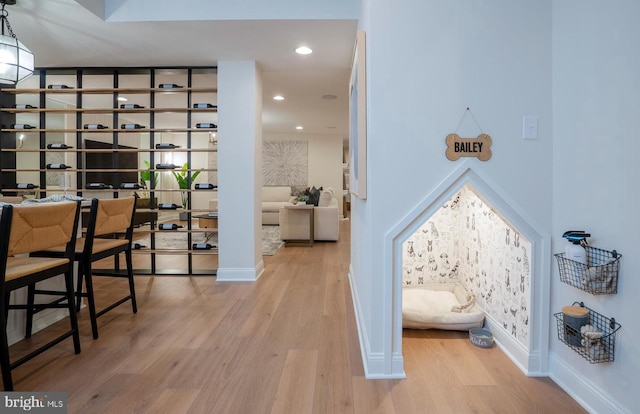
x=111 y=163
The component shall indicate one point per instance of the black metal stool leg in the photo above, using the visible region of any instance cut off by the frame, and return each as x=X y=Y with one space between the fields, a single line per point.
x=88 y=280
x=31 y=295
x=79 y=286
x=4 y=346
x=132 y=289
x=73 y=318
x=7 y=298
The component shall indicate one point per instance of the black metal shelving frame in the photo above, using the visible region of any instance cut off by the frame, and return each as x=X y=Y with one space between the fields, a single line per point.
x=8 y=142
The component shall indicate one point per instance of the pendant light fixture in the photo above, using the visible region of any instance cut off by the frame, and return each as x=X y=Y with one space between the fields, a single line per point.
x=16 y=61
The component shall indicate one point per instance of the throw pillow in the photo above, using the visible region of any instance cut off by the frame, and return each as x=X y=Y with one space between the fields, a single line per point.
x=465 y=298
x=325 y=198
x=314 y=196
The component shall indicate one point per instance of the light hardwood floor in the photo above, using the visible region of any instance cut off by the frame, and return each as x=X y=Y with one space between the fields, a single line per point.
x=285 y=344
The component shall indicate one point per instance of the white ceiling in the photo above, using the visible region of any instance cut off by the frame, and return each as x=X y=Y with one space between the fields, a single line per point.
x=64 y=33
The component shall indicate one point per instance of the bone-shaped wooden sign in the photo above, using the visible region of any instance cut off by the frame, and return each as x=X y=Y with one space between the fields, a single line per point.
x=468 y=147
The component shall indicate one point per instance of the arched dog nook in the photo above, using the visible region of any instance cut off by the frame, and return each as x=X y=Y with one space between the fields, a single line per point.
x=529 y=354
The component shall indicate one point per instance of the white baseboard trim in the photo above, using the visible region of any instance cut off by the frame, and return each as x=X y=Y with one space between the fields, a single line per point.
x=40 y=321
x=377 y=364
x=373 y=362
x=364 y=344
x=576 y=384
x=397 y=365
x=240 y=274
x=528 y=362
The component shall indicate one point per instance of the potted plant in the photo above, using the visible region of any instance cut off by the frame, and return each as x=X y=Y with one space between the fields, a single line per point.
x=145 y=177
x=182 y=177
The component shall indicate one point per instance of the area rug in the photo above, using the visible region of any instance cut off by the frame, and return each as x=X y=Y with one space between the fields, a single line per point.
x=178 y=240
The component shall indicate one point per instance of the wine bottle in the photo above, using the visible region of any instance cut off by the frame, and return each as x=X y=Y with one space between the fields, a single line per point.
x=58 y=86
x=169 y=86
x=205 y=186
x=58 y=146
x=131 y=106
x=137 y=246
x=24 y=106
x=206 y=125
x=132 y=126
x=95 y=126
x=22 y=126
x=57 y=166
x=98 y=186
x=168 y=206
x=202 y=246
x=167 y=146
x=166 y=166
x=26 y=186
x=130 y=186
x=169 y=226
x=204 y=105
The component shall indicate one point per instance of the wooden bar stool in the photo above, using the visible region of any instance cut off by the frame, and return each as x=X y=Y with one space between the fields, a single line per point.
x=107 y=219
x=28 y=228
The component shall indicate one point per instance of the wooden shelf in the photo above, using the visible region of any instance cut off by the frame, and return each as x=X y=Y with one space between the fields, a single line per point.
x=108 y=110
x=108 y=131
x=55 y=170
x=180 y=252
x=123 y=150
x=106 y=91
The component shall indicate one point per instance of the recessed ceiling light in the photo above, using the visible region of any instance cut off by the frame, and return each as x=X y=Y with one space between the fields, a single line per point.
x=303 y=50
x=329 y=97
x=122 y=99
x=278 y=98
x=299 y=127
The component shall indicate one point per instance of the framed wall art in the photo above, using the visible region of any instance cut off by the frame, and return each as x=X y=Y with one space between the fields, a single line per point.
x=358 y=120
x=285 y=163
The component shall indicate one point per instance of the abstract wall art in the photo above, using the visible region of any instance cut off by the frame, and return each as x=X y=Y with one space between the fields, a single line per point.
x=284 y=163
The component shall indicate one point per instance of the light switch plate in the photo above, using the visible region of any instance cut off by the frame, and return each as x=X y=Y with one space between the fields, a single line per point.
x=530 y=127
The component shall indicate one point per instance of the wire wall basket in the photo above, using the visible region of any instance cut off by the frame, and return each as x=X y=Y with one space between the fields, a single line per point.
x=598 y=277
x=594 y=341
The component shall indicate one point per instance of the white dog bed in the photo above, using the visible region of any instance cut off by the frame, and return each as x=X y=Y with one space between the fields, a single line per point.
x=440 y=306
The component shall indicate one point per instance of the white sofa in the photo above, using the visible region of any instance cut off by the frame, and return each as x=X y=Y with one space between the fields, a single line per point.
x=273 y=198
x=294 y=225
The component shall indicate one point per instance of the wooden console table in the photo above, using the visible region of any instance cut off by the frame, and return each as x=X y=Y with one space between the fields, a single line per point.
x=206 y=221
x=302 y=242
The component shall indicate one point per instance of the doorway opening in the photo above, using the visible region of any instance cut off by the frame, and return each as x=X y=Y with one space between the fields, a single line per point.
x=465 y=232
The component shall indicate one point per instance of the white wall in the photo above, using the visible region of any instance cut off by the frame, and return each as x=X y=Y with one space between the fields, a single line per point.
x=240 y=167
x=596 y=78
x=324 y=157
x=572 y=64
x=427 y=62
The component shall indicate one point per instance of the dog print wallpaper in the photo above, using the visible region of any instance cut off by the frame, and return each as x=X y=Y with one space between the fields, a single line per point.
x=468 y=242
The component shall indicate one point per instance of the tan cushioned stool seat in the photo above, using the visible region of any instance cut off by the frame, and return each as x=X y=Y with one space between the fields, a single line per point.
x=23 y=266
x=99 y=245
